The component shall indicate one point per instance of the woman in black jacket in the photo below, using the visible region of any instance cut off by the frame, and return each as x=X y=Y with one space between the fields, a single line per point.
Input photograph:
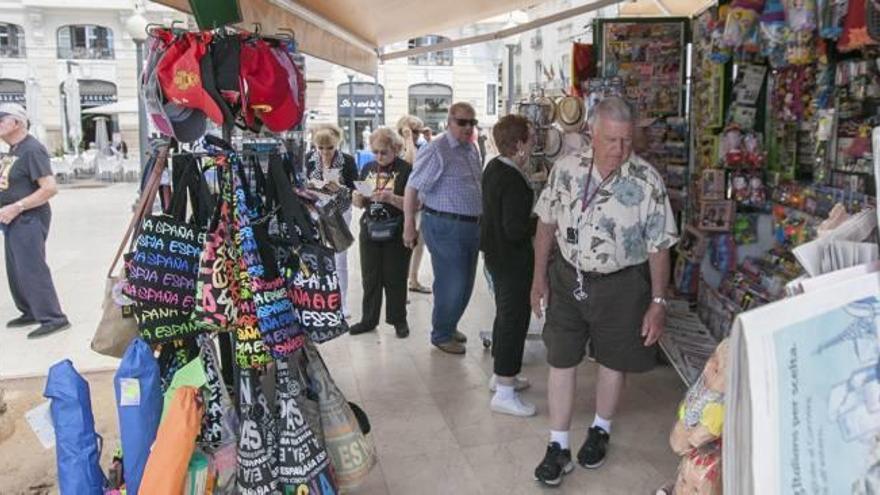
x=384 y=258
x=327 y=163
x=506 y=232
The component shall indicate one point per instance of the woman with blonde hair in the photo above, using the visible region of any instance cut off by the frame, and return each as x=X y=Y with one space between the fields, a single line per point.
x=384 y=258
x=327 y=163
x=410 y=129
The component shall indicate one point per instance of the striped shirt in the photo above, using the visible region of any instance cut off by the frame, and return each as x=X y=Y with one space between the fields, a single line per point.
x=447 y=176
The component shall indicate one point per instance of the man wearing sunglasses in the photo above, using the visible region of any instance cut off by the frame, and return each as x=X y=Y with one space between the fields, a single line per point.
x=446 y=181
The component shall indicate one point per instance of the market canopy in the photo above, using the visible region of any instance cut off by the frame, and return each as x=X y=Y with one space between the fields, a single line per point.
x=659 y=8
x=352 y=32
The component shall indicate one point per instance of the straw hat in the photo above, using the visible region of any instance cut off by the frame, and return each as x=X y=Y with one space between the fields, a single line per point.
x=549 y=108
x=571 y=113
x=552 y=142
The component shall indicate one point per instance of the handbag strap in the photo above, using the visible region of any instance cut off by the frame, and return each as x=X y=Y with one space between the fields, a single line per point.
x=148 y=195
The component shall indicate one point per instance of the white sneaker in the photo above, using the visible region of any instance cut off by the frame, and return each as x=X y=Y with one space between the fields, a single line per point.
x=520 y=383
x=514 y=406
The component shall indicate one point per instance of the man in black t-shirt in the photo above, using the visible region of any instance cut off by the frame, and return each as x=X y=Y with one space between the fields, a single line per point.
x=26 y=185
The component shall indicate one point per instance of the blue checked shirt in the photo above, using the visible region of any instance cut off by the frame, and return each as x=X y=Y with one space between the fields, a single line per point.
x=447 y=175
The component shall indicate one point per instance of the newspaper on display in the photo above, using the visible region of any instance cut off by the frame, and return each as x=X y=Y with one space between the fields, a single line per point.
x=803 y=411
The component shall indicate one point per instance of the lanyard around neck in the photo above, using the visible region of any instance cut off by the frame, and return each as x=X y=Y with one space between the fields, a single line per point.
x=588 y=198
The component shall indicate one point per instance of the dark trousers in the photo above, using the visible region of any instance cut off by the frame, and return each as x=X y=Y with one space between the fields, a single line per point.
x=384 y=266
x=512 y=315
x=30 y=281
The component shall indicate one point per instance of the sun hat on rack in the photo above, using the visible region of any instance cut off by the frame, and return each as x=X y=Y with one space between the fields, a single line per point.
x=552 y=142
x=267 y=94
x=549 y=105
x=181 y=77
x=571 y=113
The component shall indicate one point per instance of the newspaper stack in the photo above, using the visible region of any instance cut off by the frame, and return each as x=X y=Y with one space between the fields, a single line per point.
x=687 y=342
x=803 y=391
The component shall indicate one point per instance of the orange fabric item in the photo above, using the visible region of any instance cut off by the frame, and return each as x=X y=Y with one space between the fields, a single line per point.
x=167 y=465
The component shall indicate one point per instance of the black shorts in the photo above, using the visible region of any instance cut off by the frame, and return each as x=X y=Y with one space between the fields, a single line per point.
x=611 y=316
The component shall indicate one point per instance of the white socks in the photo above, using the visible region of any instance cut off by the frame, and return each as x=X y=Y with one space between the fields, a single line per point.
x=560 y=437
x=603 y=423
x=505 y=392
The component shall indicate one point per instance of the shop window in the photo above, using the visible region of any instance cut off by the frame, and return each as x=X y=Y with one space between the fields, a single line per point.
x=440 y=57
x=11 y=41
x=85 y=42
x=430 y=102
x=491 y=99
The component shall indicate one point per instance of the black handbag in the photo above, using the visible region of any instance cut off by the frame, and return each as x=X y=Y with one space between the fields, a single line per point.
x=334 y=228
x=385 y=229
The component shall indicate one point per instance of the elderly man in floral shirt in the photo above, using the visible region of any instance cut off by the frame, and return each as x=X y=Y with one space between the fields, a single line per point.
x=607 y=212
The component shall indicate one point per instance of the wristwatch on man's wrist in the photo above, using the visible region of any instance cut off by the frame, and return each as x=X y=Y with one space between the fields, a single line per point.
x=660 y=300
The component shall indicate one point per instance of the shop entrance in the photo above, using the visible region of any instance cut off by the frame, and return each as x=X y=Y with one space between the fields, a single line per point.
x=368 y=101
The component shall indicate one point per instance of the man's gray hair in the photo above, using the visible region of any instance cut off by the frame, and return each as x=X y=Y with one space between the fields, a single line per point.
x=614 y=108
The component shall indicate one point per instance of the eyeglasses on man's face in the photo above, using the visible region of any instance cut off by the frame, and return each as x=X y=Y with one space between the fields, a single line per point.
x=326 y=148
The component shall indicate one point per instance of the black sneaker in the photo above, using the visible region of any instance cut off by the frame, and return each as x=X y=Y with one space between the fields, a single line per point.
x=21 y=321
x=359 y=328
x=402 y=330
x=48 y=329
x=556 y=463
x=595 y=448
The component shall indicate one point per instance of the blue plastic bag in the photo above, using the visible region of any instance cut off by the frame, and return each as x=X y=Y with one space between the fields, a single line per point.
x=77 y=444
x=139 y=408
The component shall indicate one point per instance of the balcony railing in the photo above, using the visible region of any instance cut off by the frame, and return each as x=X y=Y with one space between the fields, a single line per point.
x=79 y=53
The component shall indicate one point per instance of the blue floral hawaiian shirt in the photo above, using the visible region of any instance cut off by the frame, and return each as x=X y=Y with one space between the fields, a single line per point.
x=628 y=218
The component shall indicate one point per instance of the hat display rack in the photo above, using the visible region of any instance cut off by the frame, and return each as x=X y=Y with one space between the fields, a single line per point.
x=256 y=276
x=231 y=77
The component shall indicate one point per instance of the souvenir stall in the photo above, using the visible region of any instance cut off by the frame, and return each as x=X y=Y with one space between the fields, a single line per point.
x=243 y=254
x=783 y=104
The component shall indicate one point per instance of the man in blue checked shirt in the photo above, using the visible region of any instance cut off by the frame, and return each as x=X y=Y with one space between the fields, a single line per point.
x=446 y=182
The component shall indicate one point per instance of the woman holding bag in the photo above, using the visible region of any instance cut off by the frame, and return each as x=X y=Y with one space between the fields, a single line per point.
x=384 y=258
x=327 y=163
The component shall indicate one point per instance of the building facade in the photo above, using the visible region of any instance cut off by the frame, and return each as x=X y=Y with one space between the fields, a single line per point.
x=42 y=41
x=424 y=85
x=542 y=57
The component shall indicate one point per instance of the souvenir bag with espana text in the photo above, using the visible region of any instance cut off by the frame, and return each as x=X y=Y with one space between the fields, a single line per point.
x=316 y=295
x=257 y=469
x=310 y=271
x=162 y=270
x=351 y=452
x=250 y=352
x=303 y=464
x=214 y=310
x=220 y=423
x=276 y=320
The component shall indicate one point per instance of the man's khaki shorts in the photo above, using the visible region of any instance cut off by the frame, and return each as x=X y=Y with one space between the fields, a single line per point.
x=611 y=315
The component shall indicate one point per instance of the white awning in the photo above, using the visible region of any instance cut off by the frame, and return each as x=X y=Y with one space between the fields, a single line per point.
x=352 y=32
